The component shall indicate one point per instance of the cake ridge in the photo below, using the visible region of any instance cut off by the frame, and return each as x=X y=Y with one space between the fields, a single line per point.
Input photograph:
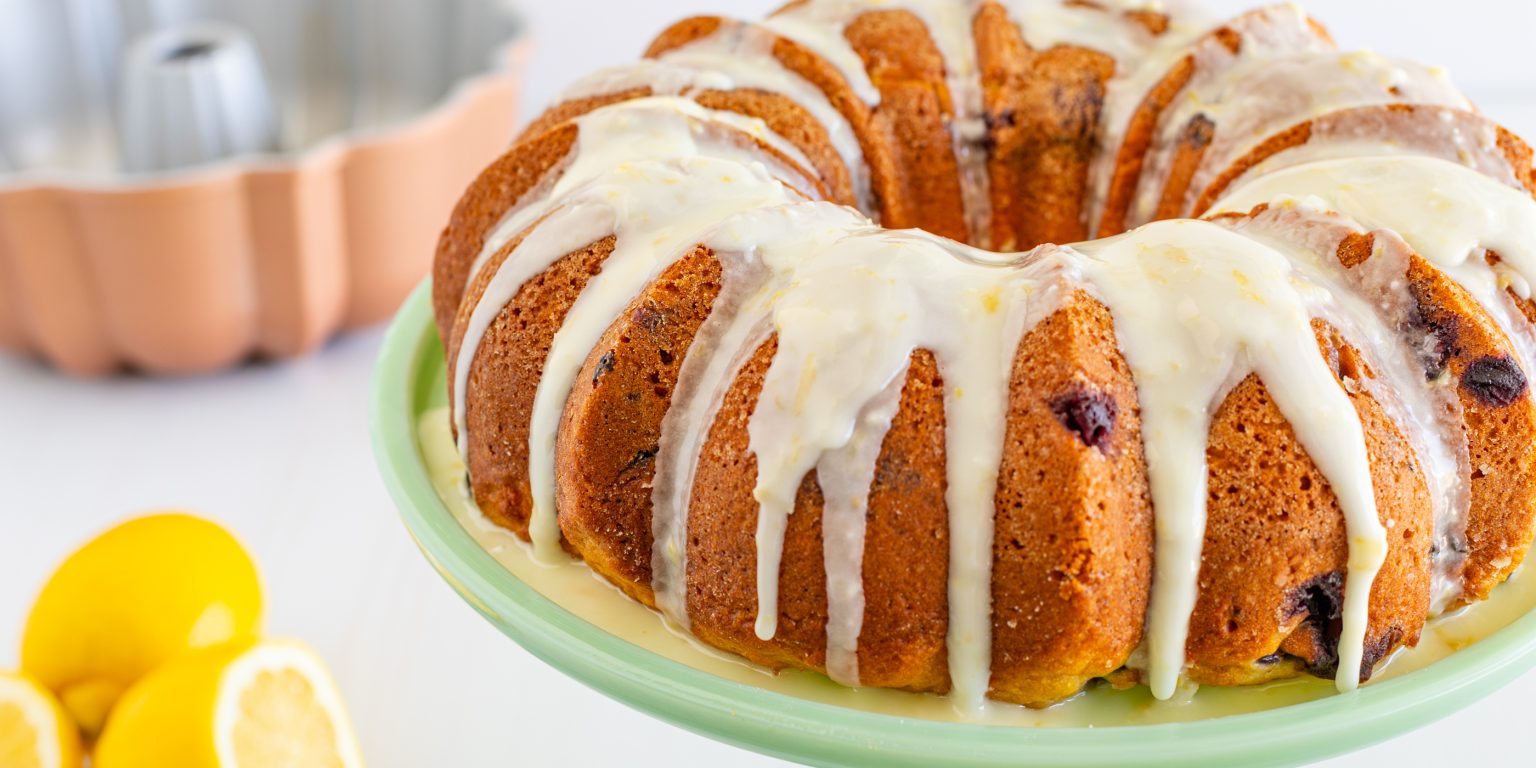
x=736 y=55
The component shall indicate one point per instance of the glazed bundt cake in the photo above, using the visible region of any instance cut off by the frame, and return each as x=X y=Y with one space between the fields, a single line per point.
x=773 y=330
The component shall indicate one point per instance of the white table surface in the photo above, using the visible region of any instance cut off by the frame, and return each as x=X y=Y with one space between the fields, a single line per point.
x=281 y=455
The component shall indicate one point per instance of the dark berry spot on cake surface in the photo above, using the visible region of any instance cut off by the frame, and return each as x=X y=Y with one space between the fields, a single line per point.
x=1199 y=131
x=1320 y=597
x=1005 y=118
x=603 y=368
x=1321 y=601
x=1437 y=338
x=647 y=318
x=1089 y=414
x=1495 y=381
x=640 y=459
x=1377 y=650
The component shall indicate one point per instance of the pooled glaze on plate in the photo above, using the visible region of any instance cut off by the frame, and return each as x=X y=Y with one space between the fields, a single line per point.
x=576 y=589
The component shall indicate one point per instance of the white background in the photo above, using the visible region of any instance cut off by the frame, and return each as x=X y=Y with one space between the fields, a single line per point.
x=280 y=454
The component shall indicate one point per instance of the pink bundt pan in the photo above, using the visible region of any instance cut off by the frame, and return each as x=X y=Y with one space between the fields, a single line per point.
x=195 y=271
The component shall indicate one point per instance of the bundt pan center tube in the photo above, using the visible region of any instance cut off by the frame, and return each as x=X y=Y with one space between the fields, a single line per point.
x=773 y=330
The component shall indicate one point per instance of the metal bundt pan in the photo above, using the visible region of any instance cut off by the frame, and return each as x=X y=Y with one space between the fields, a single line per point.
x=189 y=184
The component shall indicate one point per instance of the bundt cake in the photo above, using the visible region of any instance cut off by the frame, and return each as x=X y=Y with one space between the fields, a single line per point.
x=774 y=331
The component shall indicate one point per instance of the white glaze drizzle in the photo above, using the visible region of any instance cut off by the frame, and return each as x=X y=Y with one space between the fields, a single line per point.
x=1452 y=215
x=846 y=476
x=1221 y=306
x=734 y=56
x=1260 y=96
x=845 y=330
x=1269 y=31
x=1455 y=135
x=1046 y=24
x=736 y=322
x=847 y=320
x=759 y=252
x=745 y=54
x=820 y=25
x=1375 y=310
x=660 y=76
x=655 y=208
x=656 y=127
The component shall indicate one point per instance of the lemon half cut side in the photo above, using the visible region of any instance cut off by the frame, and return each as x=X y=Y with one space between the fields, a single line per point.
x=34 y=730
x=245 y=705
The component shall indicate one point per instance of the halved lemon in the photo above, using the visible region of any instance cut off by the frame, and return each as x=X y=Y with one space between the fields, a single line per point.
x=130 y=600
x=241 y=705
x=34 y=730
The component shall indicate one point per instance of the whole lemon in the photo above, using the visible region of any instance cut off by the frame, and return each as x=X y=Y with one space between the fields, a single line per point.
x=132 y=599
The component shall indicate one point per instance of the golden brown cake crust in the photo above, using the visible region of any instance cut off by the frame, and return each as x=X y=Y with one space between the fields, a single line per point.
x=1042 y=115
x=1387 y=122
x=610 y=433
x=722 y=551
x=1493 y=404
x=818 y=72
x=782 y=115
x=499 y=187
x=906 y=603
x=1499 y=415
x=906 y=599
x=1276 y=552
x=1072 y=546
x=504 y=378
x=911 y=123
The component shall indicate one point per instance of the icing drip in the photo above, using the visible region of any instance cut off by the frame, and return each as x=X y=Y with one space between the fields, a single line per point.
x=848 y=319
x=1374 y=308
x=745 y=54
x=976 y=373
x=660 y=76
x=735 y=56
x=1450 y=214
x=1046 y=24
x=1222 y=306
x=849 y=304
x=655 y=208
x=649 y=128
x=820 y=26
x=1455 y=135
x=845 y=476
x=701 y=384
x=758 y=251
x=845 y=330
x=1269 y=31
x=1261 y=96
